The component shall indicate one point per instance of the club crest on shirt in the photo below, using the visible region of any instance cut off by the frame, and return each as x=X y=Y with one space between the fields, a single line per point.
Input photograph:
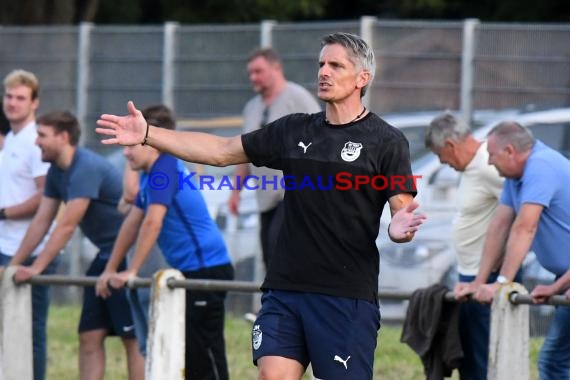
x=257 y=336
x=350 y=151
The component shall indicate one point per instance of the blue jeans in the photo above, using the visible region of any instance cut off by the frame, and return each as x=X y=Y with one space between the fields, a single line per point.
x=139 y=299
x=40 y=307
x=474 y=331
x=554 y=357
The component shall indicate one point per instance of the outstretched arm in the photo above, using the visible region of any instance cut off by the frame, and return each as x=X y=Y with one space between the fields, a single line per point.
x=196 y=147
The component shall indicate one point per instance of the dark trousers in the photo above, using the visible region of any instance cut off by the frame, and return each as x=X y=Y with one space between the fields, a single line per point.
x=271 y=221
x=205 y=357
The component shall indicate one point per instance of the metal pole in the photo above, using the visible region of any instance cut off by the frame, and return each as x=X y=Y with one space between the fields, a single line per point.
x=266 y=38
x=82 y=91
x=367 y=34
x=168 y=63
x=467 y=69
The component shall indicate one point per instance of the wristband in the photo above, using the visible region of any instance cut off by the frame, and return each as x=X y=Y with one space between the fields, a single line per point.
x=145 y=135
x=3 y=214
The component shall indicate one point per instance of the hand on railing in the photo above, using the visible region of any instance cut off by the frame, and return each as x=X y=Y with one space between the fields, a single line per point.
x=119 y=280
x=102 y=286
x=486 y=292
x=465 y=290
x=541 y=293
x=24 y=273
x=479 y=292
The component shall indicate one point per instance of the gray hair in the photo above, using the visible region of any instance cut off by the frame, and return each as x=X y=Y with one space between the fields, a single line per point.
x=511 y=132
x=444 y=127
x=359 y=52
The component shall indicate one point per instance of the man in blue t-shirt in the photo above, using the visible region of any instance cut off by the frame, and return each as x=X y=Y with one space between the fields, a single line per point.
x=533 y=214
x=175 y=215
x=90 y=187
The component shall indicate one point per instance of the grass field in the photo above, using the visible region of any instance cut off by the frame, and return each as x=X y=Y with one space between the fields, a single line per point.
x=394 y=360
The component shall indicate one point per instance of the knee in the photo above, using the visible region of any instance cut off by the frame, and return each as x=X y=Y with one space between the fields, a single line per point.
x=90 y=343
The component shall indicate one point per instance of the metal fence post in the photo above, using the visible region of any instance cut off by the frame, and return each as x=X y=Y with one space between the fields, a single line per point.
x=367 y=34
x=167 y=326
x=509 y=340
x=15 y=329
x=266 y=38
x=467 y=69
x=168 y=66
x=83 y=73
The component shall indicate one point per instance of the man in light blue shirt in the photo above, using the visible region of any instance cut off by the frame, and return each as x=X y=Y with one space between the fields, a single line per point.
x=534 y=214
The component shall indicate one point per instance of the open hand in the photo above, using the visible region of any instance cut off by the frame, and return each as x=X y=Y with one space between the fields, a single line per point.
x=124 y=130
x=405 y=223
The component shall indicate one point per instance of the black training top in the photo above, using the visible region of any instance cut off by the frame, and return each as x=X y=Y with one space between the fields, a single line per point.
x=332 y=217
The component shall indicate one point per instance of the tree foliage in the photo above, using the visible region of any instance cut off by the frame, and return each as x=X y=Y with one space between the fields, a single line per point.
x=26 y=12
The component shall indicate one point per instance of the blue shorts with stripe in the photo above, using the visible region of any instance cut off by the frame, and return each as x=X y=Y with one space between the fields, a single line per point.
x=336 y=335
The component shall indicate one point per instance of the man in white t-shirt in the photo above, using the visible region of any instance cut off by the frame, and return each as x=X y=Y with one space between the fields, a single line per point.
x=22 y=178
x=478 y=195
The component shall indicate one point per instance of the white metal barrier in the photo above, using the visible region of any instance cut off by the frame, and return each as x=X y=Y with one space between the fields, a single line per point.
x=166 y=333
x=15 y=329
x=509 y=340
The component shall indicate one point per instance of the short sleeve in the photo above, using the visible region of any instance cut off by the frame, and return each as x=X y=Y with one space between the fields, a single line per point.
x=263 y=146
x=85 y=182
x=538 y=183
x=394 y=164
x=163 y=180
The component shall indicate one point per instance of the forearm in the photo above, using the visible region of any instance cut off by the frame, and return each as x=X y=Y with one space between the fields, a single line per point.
x=125 y=240
x=518 y=245
x=198 y=147
x=31 y=240
x=147 y=237
x=562 y=283
x=56 y=242
x=493 y=250
x=24 y=210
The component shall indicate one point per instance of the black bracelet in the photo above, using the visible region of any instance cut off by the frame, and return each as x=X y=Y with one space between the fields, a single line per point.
x=2 y=214
x=145 y=135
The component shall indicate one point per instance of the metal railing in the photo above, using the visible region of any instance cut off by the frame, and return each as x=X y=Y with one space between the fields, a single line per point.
x=509 y=339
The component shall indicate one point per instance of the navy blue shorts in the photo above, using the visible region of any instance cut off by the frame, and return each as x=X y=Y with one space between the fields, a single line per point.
x=113 y=313
x=336 y=335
